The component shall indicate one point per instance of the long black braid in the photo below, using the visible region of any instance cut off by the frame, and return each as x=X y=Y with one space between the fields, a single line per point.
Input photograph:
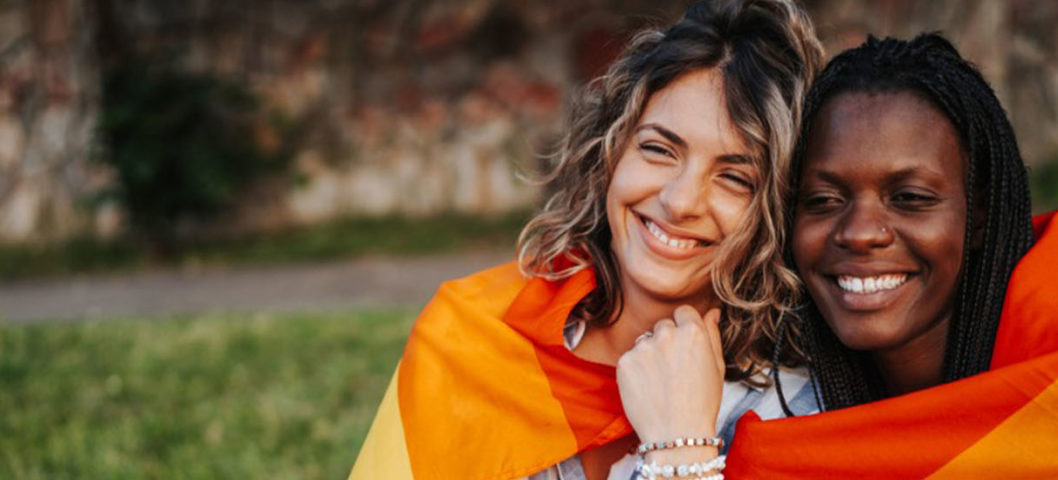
x=996 y=183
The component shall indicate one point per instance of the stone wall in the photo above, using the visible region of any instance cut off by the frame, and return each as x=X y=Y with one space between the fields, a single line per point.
x=404 y=105
x=48 y=103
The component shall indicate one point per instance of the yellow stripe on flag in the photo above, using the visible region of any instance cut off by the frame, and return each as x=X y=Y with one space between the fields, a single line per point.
x=384 y=454
x=1022 y=447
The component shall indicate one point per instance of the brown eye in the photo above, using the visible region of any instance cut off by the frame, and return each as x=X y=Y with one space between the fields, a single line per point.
x=655 y=149
x=820 y=203
x=740 y=180
x=913 y=200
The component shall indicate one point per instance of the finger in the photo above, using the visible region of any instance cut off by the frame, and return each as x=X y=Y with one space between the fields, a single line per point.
x=712 y=327
x=686 y=315
x=663 y=325
x=713 y=315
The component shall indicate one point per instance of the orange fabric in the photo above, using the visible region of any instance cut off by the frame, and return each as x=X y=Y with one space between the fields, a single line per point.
x=587 y=391
x=1027 y=439
x=906 y=437
x=487 y=389
x=946 y=430
x=1029 y=325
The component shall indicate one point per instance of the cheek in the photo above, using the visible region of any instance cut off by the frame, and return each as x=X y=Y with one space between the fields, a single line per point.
x=807 y=241
x=945 y=252
x=728 y=209
x=630 y=183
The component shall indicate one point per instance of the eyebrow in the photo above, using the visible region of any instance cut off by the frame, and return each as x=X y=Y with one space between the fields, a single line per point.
x=895 y=176
x=664 y=132
x=736 y=159
x=671 y=136
x=824 y=175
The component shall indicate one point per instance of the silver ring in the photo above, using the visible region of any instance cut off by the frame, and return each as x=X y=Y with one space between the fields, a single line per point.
x=643 y=336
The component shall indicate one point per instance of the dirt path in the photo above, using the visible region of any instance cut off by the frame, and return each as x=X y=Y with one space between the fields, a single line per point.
x=364 y=282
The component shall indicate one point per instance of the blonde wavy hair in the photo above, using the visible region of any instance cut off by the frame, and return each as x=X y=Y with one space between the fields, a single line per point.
x=768 y=53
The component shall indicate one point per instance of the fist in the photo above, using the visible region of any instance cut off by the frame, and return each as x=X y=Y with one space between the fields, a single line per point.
x=671 y=381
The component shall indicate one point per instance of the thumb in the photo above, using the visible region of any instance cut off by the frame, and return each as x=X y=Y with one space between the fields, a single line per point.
x=713 y=316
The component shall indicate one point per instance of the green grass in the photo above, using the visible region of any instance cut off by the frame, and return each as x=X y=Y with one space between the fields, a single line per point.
x=396 y=235
x=207 y=397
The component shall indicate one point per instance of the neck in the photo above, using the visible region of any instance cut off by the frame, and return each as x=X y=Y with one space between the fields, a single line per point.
x=915 y=365
x=639 y=314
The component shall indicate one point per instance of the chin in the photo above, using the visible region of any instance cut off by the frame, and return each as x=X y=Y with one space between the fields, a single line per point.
x=865 y=337
x=668 y=286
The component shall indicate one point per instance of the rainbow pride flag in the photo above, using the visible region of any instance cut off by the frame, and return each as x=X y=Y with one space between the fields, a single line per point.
x=999 y=424
x=486 y=390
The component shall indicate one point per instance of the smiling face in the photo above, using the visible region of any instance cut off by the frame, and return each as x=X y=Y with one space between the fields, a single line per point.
x=880 y=221
x=682 y=184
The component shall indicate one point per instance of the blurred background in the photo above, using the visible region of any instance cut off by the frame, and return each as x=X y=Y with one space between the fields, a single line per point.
x=219 y=218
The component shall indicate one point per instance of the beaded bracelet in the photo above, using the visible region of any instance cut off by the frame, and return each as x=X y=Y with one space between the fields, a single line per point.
x=649 y=474
x=652 y=470
x=681 y=442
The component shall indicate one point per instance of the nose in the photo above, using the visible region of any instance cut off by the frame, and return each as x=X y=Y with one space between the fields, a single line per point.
x=684 y=195
x=863 y=227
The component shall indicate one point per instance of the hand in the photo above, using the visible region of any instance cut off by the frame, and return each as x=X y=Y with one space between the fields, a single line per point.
x=670 y=382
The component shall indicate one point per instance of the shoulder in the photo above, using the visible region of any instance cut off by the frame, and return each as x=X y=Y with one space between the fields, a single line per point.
x=488 y=292
x=739 y=397
x=504 y=278
x=798 y=391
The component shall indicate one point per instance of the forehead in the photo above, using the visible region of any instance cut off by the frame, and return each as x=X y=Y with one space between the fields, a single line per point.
x=882 y=132
x=695 y=107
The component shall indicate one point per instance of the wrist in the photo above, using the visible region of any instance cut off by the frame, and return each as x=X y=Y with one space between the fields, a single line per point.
x=682 y=455
x=665 y=435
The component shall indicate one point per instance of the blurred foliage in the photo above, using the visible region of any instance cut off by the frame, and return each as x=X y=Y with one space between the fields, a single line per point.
x=184 y=145
x=1043 y=180
x=206 y=397
x=344 y=238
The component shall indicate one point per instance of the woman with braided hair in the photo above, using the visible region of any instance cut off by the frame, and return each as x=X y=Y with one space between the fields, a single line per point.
x=930 y=323
x=911 y=212
x=928 y=279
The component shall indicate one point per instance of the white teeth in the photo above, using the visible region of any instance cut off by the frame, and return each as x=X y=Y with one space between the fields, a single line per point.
x=658 y=233
x=871 y=284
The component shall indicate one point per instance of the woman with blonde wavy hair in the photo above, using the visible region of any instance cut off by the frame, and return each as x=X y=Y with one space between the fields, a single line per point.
x=666 y=206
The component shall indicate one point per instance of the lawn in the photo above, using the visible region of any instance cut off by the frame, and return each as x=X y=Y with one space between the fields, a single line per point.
x=216 y=396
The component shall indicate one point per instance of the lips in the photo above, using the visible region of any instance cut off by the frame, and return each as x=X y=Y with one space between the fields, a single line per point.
x=664 y=241
x=871 y=284
x=867 y=292
x=671 y=240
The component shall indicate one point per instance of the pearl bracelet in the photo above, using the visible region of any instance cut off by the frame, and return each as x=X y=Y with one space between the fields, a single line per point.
x=681 y=442
x=652 y=470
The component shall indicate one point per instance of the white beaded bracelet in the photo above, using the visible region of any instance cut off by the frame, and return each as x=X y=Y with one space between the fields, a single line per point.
x=681 y=442
x=653 y=470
